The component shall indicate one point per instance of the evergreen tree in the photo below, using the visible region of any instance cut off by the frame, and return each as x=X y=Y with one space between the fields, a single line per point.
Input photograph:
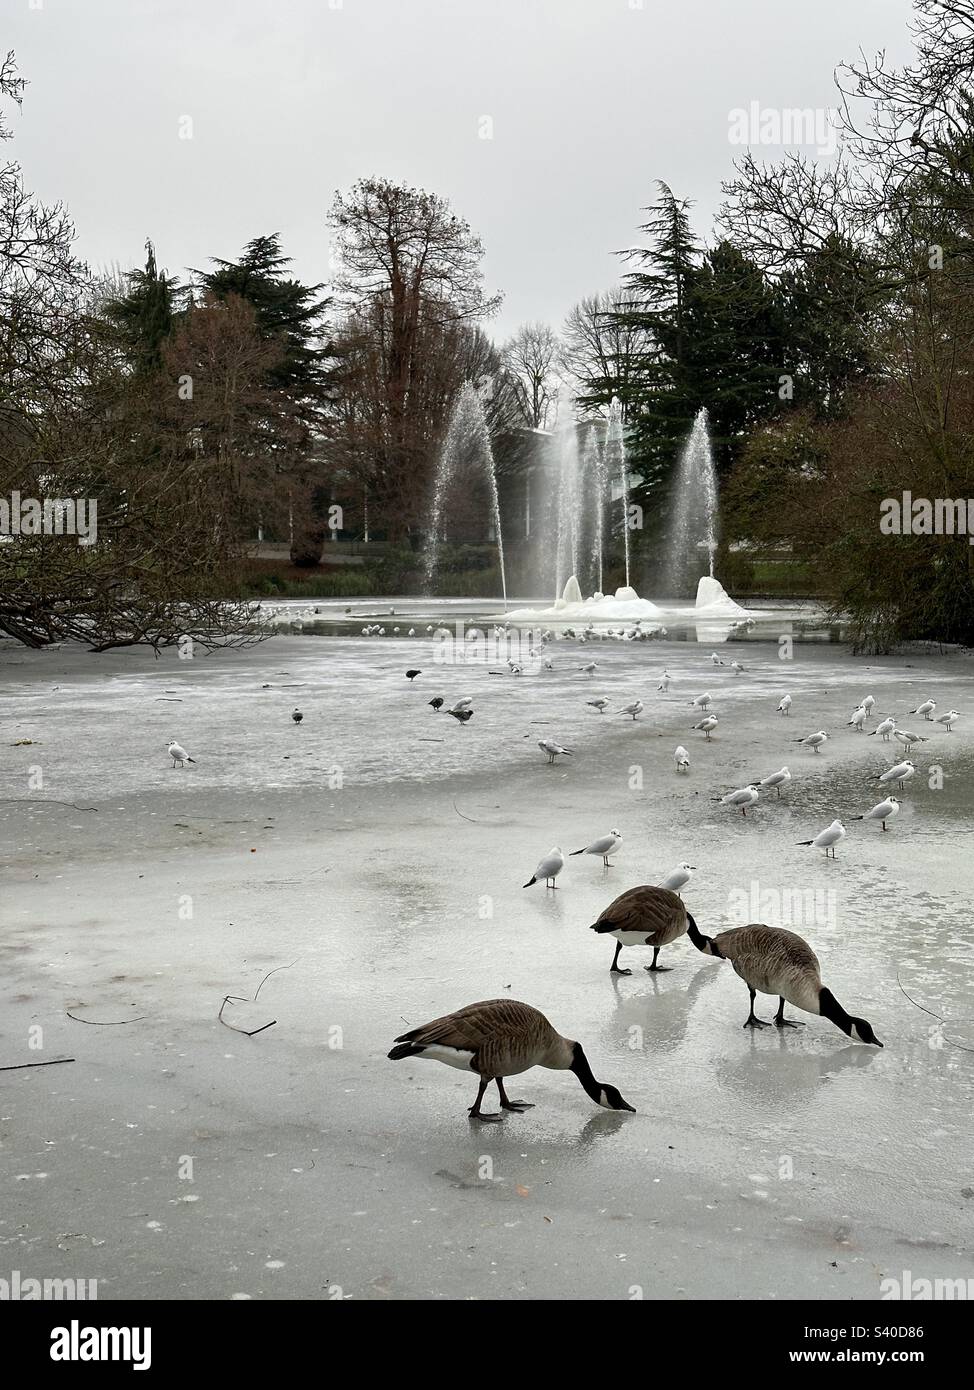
x=144 y=316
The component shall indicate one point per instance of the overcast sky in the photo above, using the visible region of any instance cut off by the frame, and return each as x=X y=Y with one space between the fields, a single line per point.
x=589 y=100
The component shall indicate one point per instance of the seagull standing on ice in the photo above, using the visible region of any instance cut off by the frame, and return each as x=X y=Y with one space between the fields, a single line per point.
x=743 y=797
x=814 y=741
x=677 y=878
x=461 y=715
x=178 y=753
x=867 y=703
x=785 y=705
x=884 y=811
x=707 y=725
x=858 y=718
x=948 y=718
x=736 y=667
x=907 y=739
x=926 y=709
x=549 y=746
x=635 y=708
x=664 y=681
x=682 y=759
x=778 y=779
x=901 y=773
x=702 y=701
x=296 y=715
x=548 y=870
x=885 y=728
x=601 y=704
x=716 y=659
x=828 y=838
x=588 y=668
x=603 y=846
x=461 y=705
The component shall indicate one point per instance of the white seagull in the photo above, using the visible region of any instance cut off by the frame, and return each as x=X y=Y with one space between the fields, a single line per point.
x=926 y=709
x=813 y=741
x=736 y=667
x=828 y=838
x=588 y=668
x=635 y=708
x=664 y=681
x=178 y=753
x=677 y=878
x=778 y=779
x=553 y=749
x=901 y=773
x=948 y=718
x=785 y=706
x=601 y=704
x=884 y=811
x=743 y=797
x=867 y=703
x=716 y=659
x=548 y=870
x=702 y=701
x=858 y=718
x=682 y=759
x=603 y=846
x=461 y=705
x=707 y=725
x=885 y=728
x=907 y=739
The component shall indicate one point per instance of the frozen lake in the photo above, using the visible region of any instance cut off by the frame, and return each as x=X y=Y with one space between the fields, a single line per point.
x=378 y=851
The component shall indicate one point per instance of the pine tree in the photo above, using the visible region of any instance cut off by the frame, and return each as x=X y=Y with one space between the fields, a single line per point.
x=144 y=316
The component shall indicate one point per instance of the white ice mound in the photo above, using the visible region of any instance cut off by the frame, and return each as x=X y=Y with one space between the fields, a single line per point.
x=624 y=606
x=714 y=601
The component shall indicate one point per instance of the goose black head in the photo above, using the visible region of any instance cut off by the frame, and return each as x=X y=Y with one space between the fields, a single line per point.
x=611 y=1099
x=864 y=1032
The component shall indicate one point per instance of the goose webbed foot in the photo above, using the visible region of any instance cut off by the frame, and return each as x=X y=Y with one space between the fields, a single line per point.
x=618 y=970
x=485 y=1119
x=657 y=969
x=517 y=1105
x=779 y=1019
x=753 y=1022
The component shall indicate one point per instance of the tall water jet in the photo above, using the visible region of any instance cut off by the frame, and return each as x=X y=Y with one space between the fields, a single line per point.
x=693 y=514
x=466 y=450
x=615 y=465
x=568 y=501
x=593 y=471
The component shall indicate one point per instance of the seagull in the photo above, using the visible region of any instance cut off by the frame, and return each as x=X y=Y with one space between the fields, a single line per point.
x=635 y=708
x=461 y=705
x=867 y=703
x=736 y=667
x=948 y=718
x=702 y=701
x=778 y=779
x=604 y=846
x=858 y=718
x=707 y=725
x=588 y=668
x=901 y=773
x=814 y=741
x=664 y=681
x=437 y=703
x=785 y=705
x=926 y=709
x=743 y=797
x=178 y=753
x=411 y=675
x=548 y=665
x=516 y=670
x=885 y=728
x=907 y=739
x=601 y=704
x=884 y=811
x=549 y=869
x=682 y=759
x=412 y=633
x=461 y=715
x=296 y=715
x=549 y=746
x=828 y=838
x=677 y=878
x=716 y=659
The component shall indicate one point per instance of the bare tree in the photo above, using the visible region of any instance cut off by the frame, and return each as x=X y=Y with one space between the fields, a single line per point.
x=603 y=349
x=531 y=358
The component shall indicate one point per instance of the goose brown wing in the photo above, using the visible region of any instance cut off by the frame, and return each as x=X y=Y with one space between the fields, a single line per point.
x=655 y=911
x=478 y=1025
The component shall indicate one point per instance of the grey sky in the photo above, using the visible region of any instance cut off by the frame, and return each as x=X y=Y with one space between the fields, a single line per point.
x=591 y=100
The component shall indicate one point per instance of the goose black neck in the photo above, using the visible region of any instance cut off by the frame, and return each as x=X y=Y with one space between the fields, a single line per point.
x=830 y=1008
x=703 y=943
x=585 y=1075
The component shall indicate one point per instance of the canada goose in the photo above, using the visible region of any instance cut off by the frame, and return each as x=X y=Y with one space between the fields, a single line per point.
x=296 y=715
x=549 y=869
x=828 y=838
x=635 y=708
x=707 y=725
x=926 y=709
x=461 y=715
x=900 y=774
x=603 y=846
x=178 y=753
x=784 y=705
x=884 y=811
x=772 y=960
x=644 y=916
x=778 y=779
x=885 y=728
x=813 y=741
x=411 y=675
x=743 y=797
x=682 y=759
x=553 y=749
x=858 y=719
x=601 y=704
x=498 y=1038
x=437 y=703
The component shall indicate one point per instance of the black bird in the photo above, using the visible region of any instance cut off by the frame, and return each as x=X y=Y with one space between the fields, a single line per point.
x=411 y=675
x=437 y=703
x=461 y=714
x=297 y=716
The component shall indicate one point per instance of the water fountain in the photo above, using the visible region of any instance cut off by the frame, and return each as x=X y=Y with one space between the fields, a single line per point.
x=615 y=466
x=466 y=449
x=693 y=517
